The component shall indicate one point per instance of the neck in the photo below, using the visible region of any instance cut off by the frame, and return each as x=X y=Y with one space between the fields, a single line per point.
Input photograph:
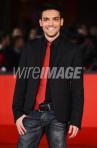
x=51 y=39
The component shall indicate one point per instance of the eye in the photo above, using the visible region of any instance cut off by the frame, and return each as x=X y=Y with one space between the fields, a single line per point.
x=45 y=19
x=56 y=18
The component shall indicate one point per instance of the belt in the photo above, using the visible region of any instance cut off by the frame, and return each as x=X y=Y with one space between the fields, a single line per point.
x=46 y=107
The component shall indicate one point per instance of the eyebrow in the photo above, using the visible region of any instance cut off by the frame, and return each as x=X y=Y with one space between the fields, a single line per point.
x=56 y=17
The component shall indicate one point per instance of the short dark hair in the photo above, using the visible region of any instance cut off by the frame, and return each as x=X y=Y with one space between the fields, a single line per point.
x=51 y=5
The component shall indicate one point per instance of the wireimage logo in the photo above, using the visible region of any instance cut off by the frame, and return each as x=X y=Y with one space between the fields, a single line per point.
x=48 y=73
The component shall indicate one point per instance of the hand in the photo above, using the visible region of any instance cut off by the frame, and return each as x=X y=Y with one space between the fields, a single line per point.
x=73 y=130
x=19 y=124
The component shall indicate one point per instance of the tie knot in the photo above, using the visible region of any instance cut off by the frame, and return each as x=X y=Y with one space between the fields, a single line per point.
x=49 y=44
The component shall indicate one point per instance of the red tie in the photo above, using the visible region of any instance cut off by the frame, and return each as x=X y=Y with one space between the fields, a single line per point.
x=40 y=97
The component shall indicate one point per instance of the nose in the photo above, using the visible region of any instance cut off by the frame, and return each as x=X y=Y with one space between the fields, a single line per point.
x=51 y=22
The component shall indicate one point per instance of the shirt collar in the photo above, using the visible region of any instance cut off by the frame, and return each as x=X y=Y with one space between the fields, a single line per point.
x=55 y=42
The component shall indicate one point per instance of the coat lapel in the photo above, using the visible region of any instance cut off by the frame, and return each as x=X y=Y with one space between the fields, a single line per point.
x=41 y=52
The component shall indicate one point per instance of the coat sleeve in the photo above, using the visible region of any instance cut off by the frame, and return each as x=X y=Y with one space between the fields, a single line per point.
x=77 y=90
x=20 y=87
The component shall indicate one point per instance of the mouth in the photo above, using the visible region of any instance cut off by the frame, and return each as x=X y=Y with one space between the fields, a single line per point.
x=51 y=29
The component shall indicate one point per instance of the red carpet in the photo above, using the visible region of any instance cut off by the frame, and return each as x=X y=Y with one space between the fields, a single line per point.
x=8 y=134
x=44 y=146
x=88 y=134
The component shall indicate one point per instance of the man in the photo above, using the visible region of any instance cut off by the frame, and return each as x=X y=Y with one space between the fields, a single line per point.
x=42 y=105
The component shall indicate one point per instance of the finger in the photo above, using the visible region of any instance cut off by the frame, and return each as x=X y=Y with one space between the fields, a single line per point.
x=76 y=132
x=73 y=133
x=70 y=129
x=22 y=126
x=18 y=130
x=21 y=132
x=22 y=129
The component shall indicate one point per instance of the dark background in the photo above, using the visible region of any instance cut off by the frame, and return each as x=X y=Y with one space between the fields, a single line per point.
x=25 y=14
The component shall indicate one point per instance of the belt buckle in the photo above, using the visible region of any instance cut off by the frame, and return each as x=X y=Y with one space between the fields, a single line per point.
x=40 y=110
x=47 y=106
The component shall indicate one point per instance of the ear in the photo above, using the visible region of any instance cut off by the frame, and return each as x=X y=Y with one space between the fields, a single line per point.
x=40 y=23
x=62 y=21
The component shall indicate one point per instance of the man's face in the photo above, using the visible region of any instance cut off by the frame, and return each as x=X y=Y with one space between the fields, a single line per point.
x=51 y=22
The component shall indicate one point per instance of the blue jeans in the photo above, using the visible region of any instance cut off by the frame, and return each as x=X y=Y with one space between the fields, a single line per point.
x=37 y=123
